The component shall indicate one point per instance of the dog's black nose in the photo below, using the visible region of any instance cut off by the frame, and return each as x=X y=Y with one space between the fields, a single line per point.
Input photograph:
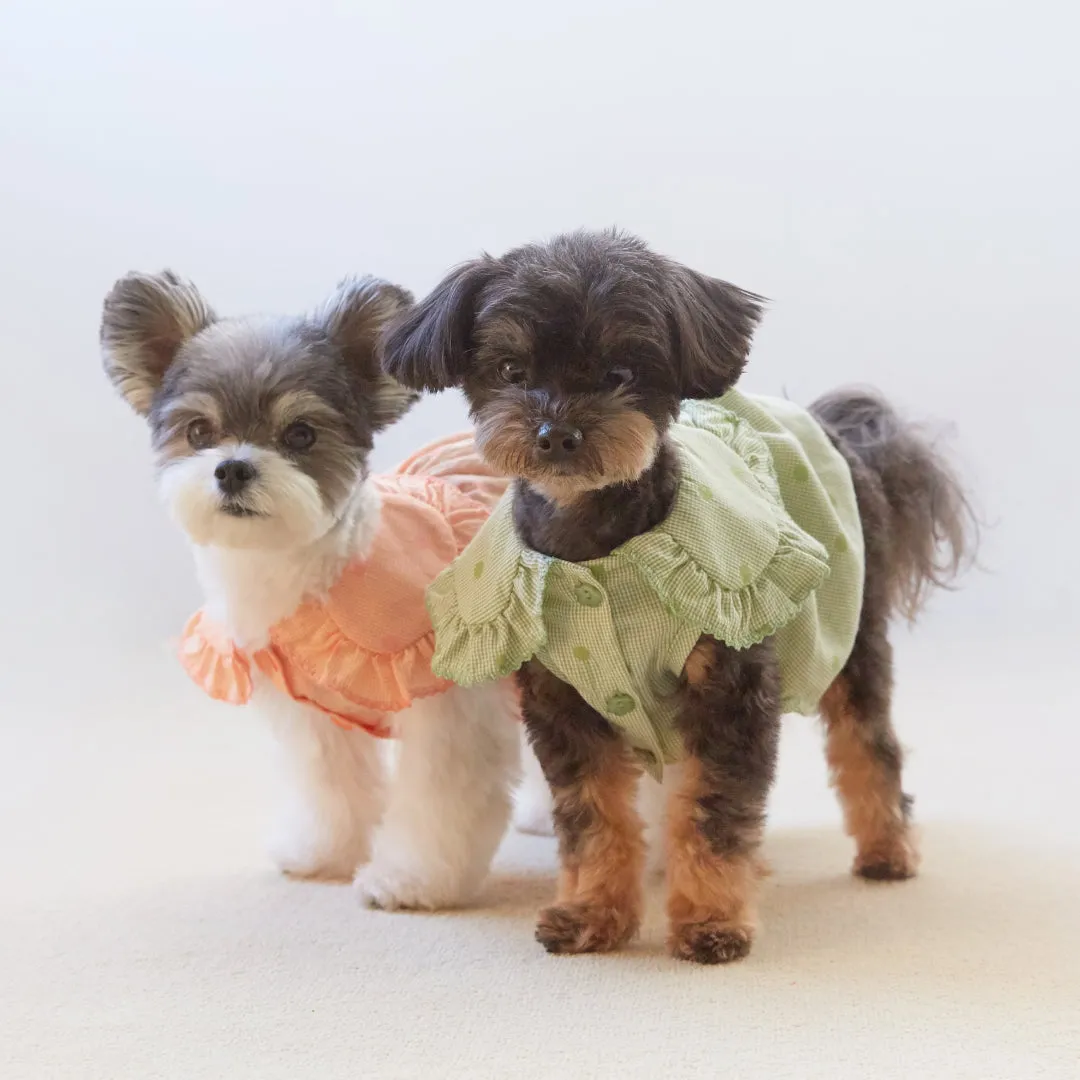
x=234 y=475
x=557 y=442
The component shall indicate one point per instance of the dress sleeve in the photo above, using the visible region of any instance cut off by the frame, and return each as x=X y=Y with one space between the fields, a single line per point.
x=213 y=662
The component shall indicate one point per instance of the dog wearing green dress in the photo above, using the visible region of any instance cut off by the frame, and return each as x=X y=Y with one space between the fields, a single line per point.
x=677 y=564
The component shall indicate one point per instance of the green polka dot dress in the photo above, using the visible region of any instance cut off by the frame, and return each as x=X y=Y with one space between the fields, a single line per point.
x=763 y=540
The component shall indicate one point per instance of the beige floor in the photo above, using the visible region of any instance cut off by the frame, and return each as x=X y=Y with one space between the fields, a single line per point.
x=142 y=936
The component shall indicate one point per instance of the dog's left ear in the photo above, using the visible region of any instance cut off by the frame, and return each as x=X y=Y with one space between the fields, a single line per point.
x=354 y=318
x=713 y=323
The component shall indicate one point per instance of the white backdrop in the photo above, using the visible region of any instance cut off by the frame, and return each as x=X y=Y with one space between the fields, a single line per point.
x=902 y=181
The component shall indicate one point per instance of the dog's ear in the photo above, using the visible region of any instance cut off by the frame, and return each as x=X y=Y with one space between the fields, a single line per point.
x=428 y=347
x=145 y=320
x=354 y=319
x=713 y=323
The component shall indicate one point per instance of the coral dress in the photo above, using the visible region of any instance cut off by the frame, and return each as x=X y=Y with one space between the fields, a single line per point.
x=363 y=650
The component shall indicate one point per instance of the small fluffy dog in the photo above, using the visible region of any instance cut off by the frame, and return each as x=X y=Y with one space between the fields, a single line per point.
x=577 y=358
x=262 y=431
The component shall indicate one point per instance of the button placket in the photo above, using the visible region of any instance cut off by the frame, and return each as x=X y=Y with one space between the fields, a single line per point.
x=593 y=661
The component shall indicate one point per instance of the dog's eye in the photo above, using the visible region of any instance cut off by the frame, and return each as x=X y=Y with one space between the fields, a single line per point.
x=298 y=436
x=200 y=434
x=618 y=377
x=512 y=372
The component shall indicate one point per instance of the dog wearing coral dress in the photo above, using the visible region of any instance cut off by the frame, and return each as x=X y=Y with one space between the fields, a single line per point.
x=314 y=574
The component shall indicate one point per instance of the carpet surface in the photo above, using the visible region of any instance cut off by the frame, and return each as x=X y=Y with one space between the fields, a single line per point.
x=142 y=934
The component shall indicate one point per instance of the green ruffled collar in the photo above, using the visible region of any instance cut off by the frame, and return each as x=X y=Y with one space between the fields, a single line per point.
x=728 y=559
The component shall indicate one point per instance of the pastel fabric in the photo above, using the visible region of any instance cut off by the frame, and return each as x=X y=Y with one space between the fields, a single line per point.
x=363 y=651
x=763 y=540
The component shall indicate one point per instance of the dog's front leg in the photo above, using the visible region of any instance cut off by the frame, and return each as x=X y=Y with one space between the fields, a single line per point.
x=593 y=778
x=330 y=790
x=730 y=722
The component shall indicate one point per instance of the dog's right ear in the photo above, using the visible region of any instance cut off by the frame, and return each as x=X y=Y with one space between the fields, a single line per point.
x=145 y=320
x=428 y=347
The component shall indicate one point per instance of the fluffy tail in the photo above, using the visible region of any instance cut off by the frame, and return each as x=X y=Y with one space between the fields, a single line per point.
x=933 y=531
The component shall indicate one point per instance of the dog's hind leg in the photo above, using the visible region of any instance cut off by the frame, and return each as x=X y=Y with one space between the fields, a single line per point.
x=865 y=758
x=729 y=720
x=449 y=801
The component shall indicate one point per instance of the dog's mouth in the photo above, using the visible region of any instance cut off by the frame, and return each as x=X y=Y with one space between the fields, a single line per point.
x=585 y=472
x=568 y=470
x=239 y=510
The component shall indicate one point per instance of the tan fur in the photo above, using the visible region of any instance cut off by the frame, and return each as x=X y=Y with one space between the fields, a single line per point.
x=600 y=892
x=505 y=437
x=710 y=897
x=618 y=449
x=871 y=800
x=295 y=405
x=626 y=444
x=170 y=437
x=699 y=663
x=567 y=887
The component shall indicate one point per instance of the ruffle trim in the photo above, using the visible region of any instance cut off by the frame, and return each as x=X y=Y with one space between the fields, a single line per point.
x=313 y=643
x=373 y=721
x=740 y=437
x=475 y=652
x=213 y=662
x=313 y=650
x=739 y=617
x=742 y=616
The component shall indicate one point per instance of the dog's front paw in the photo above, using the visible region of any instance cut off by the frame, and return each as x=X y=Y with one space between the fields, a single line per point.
x=894 y=860
x=710 y=942
x=582 y=928
x=396 y=886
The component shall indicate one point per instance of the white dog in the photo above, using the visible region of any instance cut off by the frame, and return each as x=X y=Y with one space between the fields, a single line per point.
x=261 y=432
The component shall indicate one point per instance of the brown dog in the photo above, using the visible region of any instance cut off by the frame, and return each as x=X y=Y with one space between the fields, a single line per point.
x=574 y=357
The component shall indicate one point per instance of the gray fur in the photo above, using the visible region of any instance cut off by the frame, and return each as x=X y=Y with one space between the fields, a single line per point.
x=175 y=362
x=932 y=529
